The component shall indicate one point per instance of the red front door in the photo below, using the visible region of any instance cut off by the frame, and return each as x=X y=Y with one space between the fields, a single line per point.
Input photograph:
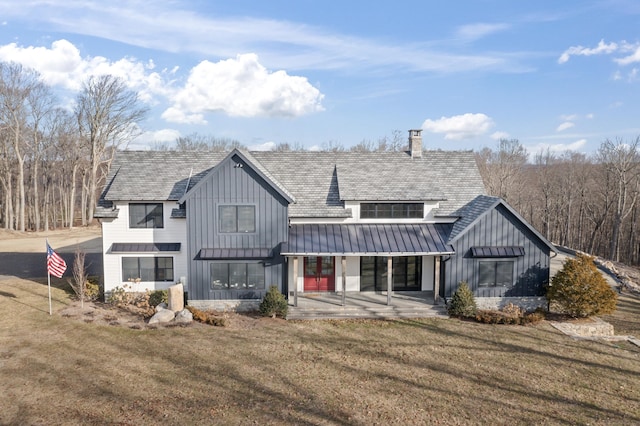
x=319 y=274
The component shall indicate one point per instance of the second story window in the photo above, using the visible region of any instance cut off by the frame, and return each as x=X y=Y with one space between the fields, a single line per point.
x=236 y=219
x=145 y=215
x=391 y=210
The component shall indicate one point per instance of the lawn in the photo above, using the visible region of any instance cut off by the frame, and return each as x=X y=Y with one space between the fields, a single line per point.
x=55 y=370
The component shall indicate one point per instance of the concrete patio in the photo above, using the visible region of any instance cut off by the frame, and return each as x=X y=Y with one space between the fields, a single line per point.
x=365 y=305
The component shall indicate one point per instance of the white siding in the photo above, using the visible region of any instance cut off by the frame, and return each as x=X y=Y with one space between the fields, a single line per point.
x=118 y=231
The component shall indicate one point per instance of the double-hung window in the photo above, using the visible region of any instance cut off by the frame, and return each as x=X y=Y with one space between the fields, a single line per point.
x=145 y=215
x=237 y=218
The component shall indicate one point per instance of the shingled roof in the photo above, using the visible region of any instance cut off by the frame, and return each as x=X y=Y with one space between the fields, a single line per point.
x=320 y=182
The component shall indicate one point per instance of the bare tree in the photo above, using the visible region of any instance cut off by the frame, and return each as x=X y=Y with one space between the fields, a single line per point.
x=502 y=170
x=16 y=85
x=80 y=276
x=620 y=161
x=107 y=113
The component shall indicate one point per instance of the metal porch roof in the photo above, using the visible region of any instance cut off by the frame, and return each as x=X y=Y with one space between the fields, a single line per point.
x=367 y=240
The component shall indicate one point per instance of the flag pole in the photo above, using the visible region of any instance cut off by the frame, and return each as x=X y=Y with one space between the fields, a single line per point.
x=49 y=279
x=49 y=285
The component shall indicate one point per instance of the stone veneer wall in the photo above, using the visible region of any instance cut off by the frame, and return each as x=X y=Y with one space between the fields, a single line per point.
x=527 y=303
x=592 y=327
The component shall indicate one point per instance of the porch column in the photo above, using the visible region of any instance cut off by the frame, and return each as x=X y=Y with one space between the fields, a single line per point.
x=436 y=279
x=389 y=279
x=343 y=263
x=295 y=281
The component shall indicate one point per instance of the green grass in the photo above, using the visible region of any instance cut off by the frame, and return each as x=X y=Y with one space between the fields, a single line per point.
x=55 y=370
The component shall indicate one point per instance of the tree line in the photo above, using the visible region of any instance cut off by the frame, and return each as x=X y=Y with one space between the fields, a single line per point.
x=585 y=202
x=53 y=159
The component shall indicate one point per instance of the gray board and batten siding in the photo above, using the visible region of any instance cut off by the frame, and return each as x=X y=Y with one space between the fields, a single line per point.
x=498 y=227
x=235 y=181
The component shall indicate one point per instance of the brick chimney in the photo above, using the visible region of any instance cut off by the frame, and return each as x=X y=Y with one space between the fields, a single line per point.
x=415 y=143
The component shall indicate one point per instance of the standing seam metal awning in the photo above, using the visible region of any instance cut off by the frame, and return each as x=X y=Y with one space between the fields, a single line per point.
x=228 y=254
x=367 y=240
x=144 y=247
x=497 y=251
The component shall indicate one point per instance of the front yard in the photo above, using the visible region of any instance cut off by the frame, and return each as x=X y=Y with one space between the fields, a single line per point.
x=55 y=370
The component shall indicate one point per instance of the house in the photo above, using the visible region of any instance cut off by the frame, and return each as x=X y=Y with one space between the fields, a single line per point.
x=230 y=224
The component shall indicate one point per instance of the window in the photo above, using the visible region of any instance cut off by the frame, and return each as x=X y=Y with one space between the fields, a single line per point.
x=237 y=276
x=495 y=273
x=147 y=268
x=407 y=273
x=145 y=215
x=391 y=210
x=237 y=219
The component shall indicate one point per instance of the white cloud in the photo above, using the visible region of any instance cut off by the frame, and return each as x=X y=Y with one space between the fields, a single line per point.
x=267 y=146
x=500 y=135
x=569 y=117
x=62 y=65
x=176 y=115
x=634 y=57
x=315 y=148
x=459 y=127
x=558 y=148
x=174 y=26
x=242 y=87
x=149 y=138
x=564 y=126
x=601 y=48
x=590 y=116
x=476 y=31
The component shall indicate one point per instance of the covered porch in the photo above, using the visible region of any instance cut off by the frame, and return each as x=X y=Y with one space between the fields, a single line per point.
x=344 y=285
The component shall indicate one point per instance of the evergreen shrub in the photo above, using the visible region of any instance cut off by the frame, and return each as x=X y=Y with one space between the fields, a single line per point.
x=157 y=297
x=274 y=303
x=579 y=289
x=462 y=303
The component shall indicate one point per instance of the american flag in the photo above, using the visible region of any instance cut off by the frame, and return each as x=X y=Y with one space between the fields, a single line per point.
x=55 y=264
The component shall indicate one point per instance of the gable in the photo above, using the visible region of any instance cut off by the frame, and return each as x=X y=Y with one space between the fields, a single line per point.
x=497 y=224
x=238 y=165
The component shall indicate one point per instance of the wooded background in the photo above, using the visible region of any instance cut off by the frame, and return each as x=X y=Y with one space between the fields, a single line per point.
x=53 y=163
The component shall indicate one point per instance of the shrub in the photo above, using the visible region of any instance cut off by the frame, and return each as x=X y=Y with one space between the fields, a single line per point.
x=580 y=290
x=119 y=296
x=206 y=317
x=495 y=317
x=462 y=303
x=274 y=304
x=533 y=317
x=157 y=297
x=92 y=289
x=510 y=314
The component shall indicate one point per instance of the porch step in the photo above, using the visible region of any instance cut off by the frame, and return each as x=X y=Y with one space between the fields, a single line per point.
x=377 y=312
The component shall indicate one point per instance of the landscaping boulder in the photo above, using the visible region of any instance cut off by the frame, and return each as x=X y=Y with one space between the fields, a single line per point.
x=161 y=306
x=162 y=316
x=184 y=317
x=176 y=297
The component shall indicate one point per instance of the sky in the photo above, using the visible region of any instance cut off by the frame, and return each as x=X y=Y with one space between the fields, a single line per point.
x=556 y=75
